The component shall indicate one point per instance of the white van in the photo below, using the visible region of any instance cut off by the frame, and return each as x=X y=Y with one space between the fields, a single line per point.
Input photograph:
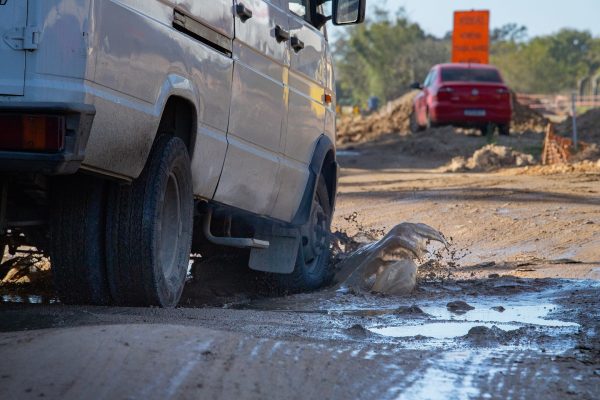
x=131 y=128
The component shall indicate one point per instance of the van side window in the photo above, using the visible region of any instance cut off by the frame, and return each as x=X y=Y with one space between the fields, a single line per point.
x=299 y=7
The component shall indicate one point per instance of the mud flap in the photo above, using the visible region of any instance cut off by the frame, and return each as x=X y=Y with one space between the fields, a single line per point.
x=280 y=257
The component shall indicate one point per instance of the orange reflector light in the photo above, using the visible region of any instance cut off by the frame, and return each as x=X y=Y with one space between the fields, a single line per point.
x=43 y=133
x=328 y=99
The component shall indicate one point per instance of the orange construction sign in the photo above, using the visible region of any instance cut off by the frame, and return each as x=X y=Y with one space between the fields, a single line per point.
x=471 y=37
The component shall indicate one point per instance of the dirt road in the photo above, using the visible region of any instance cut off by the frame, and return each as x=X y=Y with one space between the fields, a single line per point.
x=512 y=311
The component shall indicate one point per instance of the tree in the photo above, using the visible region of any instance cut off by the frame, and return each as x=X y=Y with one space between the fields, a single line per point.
x=547 y=64
x=509 y=33
x=383 y=56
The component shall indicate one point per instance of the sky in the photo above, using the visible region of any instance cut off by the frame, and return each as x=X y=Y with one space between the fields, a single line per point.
x=539 y=16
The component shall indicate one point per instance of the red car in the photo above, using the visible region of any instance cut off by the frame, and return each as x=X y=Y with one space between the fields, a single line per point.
x=464 y=95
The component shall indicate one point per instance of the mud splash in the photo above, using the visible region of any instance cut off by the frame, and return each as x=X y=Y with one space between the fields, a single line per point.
x=388 y=265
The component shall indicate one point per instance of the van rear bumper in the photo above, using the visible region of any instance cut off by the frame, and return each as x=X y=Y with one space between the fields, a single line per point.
x=78 y=117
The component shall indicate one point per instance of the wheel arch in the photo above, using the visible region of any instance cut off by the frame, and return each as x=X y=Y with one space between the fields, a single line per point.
x=323 y=162
x=179 y=118
x=178 y=110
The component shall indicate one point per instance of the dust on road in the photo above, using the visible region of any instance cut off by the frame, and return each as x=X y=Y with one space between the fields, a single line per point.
x=512 y=310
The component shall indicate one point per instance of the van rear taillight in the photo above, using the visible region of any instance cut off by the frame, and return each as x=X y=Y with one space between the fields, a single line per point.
x=44 y=133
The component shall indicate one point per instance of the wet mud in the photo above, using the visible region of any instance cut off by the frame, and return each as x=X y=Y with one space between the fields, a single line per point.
x=506 y=306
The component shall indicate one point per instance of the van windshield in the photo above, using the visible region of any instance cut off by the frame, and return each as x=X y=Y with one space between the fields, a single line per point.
x=470 y=75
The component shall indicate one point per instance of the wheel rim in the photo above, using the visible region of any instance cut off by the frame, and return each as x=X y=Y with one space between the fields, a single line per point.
x=315 y=235
x=171 y=228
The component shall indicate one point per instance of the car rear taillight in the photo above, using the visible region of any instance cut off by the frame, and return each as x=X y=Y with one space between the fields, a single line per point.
x=445 y=93
x=503 y=93
x=45 y=133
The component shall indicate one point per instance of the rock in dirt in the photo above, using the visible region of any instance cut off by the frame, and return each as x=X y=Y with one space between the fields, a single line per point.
x=499 y=308
x=489 y=158
x=459 y=307
x=358 y=331
x=483 y=333
x=413 y=311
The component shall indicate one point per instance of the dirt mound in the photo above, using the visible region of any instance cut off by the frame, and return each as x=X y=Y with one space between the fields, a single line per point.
x=588 y=126
x=584 y=167
x=590 y=152
x=525 y=119
x=489 y=158
x=395 y=117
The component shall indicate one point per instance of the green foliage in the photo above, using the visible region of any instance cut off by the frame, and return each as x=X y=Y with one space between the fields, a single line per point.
x=547 y=64
x=385 y=55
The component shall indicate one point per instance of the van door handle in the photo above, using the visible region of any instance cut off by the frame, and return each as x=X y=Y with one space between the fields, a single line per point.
x=297 y=44
x=281 y=34
x=243 y=12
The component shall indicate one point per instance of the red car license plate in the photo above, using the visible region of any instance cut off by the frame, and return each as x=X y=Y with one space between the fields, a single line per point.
x=475 y=113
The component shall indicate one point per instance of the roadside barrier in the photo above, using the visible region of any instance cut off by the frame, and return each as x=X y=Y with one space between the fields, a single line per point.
x=558 y=104
x=559 y=149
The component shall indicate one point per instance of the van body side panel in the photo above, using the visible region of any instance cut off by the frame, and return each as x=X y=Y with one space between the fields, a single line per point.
x=306 y=119
x=141 y=61
x=13 y=19
x=250 y=178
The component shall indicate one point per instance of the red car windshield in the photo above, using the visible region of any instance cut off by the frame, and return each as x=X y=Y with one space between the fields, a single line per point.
x=470 y=75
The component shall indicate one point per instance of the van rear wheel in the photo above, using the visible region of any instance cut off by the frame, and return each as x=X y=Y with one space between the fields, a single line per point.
x=77 y=240
x=2 y=251
x=149 y=233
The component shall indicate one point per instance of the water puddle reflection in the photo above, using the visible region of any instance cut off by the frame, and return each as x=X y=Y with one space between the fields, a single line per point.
x=347 y=153
x=438 y=330
x=446 y=324
x=27 y=299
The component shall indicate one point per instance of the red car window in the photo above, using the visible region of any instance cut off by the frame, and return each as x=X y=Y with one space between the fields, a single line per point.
x=470 y=75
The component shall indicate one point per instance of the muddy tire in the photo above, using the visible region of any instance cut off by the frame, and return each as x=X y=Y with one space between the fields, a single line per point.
x=430 y=124
x=149 y=233
x=414 y=123
x=2 y=252
x=77 y=240
x=487 y=130
x=312 y=269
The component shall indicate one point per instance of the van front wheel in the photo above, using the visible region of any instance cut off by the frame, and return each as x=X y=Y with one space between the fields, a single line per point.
x=312 y=269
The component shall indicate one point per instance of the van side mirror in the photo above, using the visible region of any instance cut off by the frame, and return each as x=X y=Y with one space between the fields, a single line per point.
x=349 y=12
x=416 y=86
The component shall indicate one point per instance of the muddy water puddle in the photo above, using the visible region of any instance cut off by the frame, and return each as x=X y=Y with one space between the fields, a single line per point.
x=348 y=153
x=438 y=330
x=453 y=325
x=28 y=299
x=447 y=319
